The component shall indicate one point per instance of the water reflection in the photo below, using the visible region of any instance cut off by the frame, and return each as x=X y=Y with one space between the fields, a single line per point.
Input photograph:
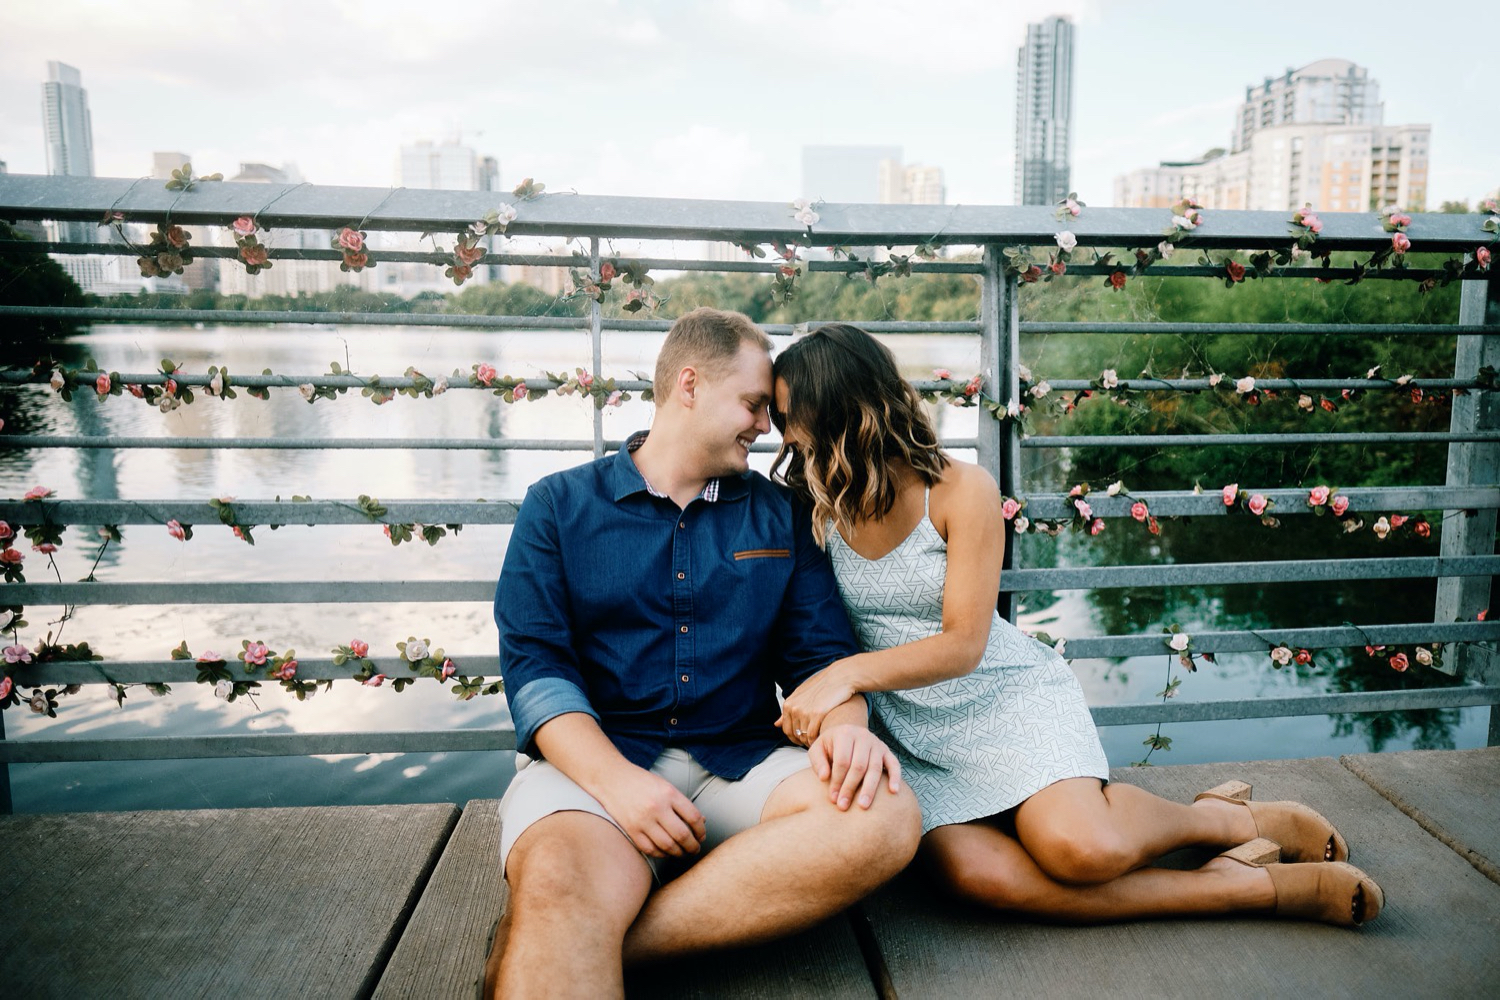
x=361 y=551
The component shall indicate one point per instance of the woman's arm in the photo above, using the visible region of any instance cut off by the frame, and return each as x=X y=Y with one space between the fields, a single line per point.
x=966 y=509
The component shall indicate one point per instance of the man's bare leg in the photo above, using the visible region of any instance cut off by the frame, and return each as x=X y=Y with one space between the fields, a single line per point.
x=575 y=886
x=805 y=861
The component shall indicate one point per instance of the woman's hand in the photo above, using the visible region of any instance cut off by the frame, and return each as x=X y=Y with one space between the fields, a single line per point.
x=805 y=708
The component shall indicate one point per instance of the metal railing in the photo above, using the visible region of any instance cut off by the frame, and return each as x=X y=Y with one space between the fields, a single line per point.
x=1464 y=568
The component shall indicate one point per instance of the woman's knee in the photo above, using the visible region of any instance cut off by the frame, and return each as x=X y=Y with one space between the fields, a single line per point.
x=1079 y=856
x=979 y=877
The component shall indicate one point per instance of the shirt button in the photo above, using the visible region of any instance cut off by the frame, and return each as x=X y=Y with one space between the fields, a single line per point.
x=682 y=524
x=684 y=678
x=682 y=576
x=684 y=630
x=671 y=722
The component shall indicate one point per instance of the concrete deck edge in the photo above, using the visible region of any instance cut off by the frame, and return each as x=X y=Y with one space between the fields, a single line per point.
x=1481 y=864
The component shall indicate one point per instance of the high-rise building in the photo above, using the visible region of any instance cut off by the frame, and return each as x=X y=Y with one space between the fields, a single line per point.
x=441 y=166
x=1329 y=91
x=70 y=137
x=910 y=184
x=1044 y=113
x=849 y=174
x=1313 y=136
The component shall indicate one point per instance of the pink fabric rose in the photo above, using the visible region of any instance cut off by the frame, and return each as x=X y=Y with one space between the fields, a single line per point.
x=244 y=225
x=1097 y=526
x=256 y=653
x=518 y=392
x=1339 y=505
x=12 y=556
x=1397 y=520
x=6 y=531
x=1400 y=242
x=941 y=374
x=1400 y=219
x=16 y=654
x=1257 y=504
x=356 y=260
x=448 y=670
x=1138 y=511
x=485 y=374
x=1230 y=494
x=1153 y=526
x=136 y=391
x=1318 y=496
x=6 y=684
x=1236 y=270
x=1303 y=656
x=286 y=671
x=1031 y=275
x=585 y=379
x=1084 y=510
x=1422 y=529
x=1482 y=258
x=614 y=398
x=177 y=237
x=359 y=648
x=176 y=531
x=468 y=255
x=351 y=240
x=102 y=384
x=38 y=493
x=46 y=548
x=1399 y=662
x=255 y=256
x=1009 y=508
x=972 y=387
x=376 y=681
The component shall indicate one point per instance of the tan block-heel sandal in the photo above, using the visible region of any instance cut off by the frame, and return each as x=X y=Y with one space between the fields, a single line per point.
x=1303 y=833
x=1333 y=892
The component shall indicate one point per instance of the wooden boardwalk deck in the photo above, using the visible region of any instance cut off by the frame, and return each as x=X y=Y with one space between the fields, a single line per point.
x=398 y=901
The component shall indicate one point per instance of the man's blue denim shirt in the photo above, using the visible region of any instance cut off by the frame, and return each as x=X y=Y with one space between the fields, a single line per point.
x=669 y=626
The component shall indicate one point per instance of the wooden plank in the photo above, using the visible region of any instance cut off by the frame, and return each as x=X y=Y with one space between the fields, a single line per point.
x=218 y=902
x=442 y=952
x=1452 y=794
x=1437 y=937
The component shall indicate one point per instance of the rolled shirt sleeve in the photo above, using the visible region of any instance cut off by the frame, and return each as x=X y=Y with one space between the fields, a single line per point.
x=538 y=661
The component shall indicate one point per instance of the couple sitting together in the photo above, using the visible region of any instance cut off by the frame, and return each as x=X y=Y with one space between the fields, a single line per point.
x=652 y=601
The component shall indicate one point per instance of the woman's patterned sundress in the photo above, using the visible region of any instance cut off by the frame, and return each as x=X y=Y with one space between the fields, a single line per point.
x=976 y=745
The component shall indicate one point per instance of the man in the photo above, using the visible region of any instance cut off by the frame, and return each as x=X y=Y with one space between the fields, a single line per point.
x=648 y=602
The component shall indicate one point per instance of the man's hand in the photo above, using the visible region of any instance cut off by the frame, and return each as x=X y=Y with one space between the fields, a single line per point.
x=852 y=760
x=657 y=818
x=803 y=711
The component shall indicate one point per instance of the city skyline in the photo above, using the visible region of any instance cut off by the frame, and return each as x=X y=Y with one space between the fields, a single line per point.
x=674 y=99
x=1044 y=113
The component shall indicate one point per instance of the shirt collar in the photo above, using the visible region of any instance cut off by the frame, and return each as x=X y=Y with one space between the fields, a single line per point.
x=627 y=478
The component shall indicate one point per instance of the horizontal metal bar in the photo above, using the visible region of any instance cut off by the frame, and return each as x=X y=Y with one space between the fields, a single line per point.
x=1304 y=272
x=1273 y=440
x=1184 y=503
x=296 y=381
x=1263 y=329
x=524 y=324
x=379 y=255
x=1206 y=574
x=197 y=512
x=308 y=206
x=1179 y=503
x=1261 y=640
x=1016 y=580
x=31 y=751
x=19 y=441
x=255 y=745
x=1085 y=648
x=1284 y=707
x=1274 y=384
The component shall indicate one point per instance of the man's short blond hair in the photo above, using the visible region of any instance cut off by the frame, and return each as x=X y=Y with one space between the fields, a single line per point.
x=705 y=339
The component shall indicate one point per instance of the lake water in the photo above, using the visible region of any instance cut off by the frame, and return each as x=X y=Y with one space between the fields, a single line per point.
x=345 y=553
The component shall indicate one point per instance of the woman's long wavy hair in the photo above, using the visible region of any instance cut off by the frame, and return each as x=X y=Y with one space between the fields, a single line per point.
x=855 y=415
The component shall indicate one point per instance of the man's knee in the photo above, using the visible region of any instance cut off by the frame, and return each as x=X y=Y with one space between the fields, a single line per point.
x=888 y=831
x=577 y=861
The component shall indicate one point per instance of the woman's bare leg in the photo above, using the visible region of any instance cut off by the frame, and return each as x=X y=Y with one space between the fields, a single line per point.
x=1079 y=832
x=983 y=864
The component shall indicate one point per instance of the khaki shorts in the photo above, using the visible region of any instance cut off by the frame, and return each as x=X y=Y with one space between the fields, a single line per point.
x=539 y=789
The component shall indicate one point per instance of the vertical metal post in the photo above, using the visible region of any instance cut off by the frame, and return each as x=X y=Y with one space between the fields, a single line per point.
x=6 y=807
x=596 y=341
x=999 y=441
x=1472 y=464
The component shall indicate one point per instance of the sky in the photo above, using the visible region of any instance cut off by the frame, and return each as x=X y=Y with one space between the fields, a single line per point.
x=672 y=98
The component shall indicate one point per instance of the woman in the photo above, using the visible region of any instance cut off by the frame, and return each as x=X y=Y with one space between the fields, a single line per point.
x=989 y=725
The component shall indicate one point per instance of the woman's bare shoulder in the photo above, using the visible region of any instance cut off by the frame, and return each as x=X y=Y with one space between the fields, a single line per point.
x=965 y=488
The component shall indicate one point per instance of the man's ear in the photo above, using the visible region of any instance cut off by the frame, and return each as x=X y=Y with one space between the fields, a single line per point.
x=687 y=385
